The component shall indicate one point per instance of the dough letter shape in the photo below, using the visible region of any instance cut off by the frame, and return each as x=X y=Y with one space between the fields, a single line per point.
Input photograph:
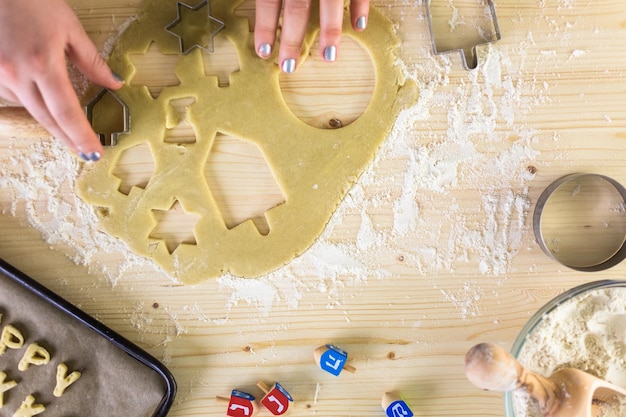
x=4 y=387
x=34 y=355
x=64 y=380
x=29 y=408
x=11 y=338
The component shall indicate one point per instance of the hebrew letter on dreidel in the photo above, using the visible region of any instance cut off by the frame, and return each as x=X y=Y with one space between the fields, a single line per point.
x=395 y=406
x=332 y=359
x=241 y=404
x=276 y=399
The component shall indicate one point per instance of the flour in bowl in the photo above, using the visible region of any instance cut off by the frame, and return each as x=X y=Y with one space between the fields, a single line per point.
x=587 y=332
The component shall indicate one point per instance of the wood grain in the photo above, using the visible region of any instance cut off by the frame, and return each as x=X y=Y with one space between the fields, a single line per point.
x=406 y=330
x=17 y=122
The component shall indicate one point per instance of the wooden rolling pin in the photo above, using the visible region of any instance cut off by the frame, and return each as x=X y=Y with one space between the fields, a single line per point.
x=17 y=122
x=568 y=392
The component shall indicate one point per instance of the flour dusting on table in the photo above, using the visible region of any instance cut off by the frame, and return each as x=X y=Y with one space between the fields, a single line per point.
x=486 y=147
x=40 y=179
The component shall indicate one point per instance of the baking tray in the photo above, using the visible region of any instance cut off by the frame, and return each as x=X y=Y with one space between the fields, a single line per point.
x=32 y=298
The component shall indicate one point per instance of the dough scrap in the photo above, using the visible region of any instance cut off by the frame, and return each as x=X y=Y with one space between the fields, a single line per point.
x=313 y=167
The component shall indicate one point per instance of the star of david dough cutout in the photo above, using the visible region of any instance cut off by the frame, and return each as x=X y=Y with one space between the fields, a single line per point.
x=310 y=169
x=195 y=27
x=169 y=221
x=155 y=78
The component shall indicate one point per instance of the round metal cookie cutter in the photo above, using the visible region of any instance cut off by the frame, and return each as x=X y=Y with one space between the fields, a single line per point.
x=580 y=221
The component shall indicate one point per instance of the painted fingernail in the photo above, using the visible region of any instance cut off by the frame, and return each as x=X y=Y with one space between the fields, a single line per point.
x=117 y=77
x=265 y=50
x=361 y=22
x=289 y=65
x=330 y=53
x=90 y=157
x=94 y=156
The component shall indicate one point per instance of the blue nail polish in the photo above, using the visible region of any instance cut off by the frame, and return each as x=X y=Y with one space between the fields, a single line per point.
x=330 y=53
x=117 y=77
x=94 y=156
x=83 y=156
x=289 y=65
x=265 y=50
x=361 y=22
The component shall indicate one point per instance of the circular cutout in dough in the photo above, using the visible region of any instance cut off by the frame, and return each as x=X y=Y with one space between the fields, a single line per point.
x=314 y=168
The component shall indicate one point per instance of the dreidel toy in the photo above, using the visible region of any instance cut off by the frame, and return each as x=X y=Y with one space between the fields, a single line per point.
x=395 y=406
x=332 y=359
x=276 y=399
x=240 y=404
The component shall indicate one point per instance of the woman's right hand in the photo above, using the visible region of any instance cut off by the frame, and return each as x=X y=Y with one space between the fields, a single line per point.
x=36 y=38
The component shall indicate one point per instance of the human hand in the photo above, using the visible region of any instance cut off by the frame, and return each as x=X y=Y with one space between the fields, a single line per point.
x=37 y=36
x=295 y=19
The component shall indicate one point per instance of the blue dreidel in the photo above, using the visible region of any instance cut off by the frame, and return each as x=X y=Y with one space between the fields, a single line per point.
x=395 y=406
x=332 y=359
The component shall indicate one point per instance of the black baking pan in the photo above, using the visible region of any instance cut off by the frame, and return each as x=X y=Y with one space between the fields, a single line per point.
x=31 y=298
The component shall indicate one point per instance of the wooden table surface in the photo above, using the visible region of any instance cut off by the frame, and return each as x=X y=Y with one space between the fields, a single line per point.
x=431 y=253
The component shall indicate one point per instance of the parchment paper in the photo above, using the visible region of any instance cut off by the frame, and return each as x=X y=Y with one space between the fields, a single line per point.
x=112 y=382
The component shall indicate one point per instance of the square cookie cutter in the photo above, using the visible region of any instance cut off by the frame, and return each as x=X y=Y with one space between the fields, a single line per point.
x=467 y=65
x=73 y=313
x=179 y=20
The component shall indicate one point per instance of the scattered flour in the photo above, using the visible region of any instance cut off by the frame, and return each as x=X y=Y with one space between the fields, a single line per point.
x=41 y=178
x=487 y=147
x=587 y=332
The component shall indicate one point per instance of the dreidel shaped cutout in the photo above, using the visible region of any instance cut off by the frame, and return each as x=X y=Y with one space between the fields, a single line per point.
x=332 y=359
x=276 y=399
x=395 y=406
x=240 y=404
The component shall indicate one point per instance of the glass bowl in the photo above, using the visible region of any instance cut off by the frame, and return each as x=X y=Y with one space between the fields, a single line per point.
x=538 y=317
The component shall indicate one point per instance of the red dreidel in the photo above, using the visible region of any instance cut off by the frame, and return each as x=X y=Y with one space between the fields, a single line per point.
x=240 y=404
x=332 y=359
x=395 y=406
x=276 y=399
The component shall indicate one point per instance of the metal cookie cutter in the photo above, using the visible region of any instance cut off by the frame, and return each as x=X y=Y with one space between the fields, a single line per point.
x=580 y=221
x=108 y=139
x=218 y=24
x=496 y=36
